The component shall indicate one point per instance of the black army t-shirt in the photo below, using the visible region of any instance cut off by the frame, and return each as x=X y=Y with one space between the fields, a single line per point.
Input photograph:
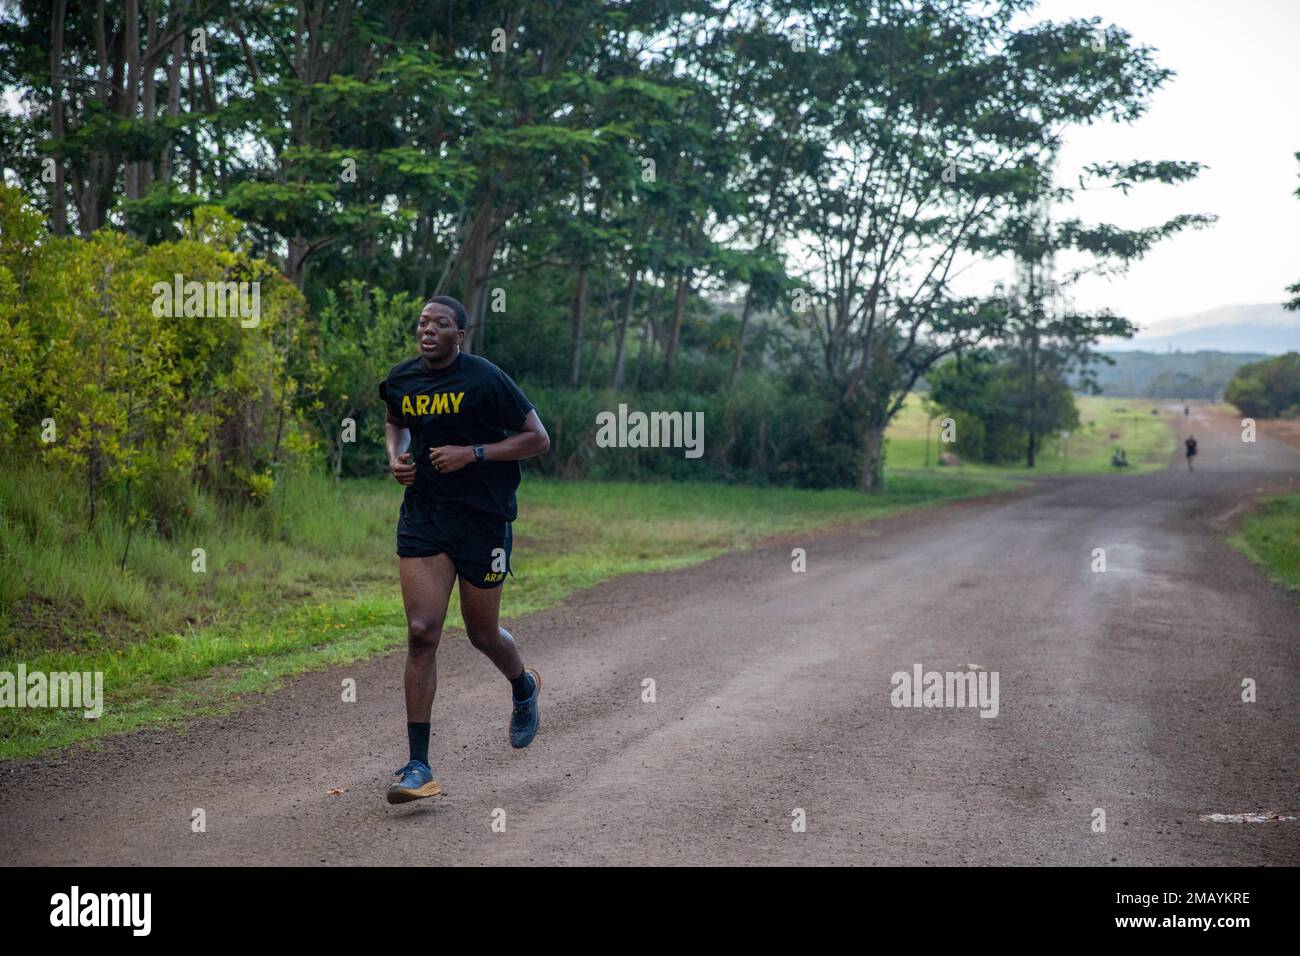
x=470 y=402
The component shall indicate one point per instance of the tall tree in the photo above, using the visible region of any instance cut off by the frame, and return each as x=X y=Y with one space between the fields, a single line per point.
x=1045 y=333
x=944 y=118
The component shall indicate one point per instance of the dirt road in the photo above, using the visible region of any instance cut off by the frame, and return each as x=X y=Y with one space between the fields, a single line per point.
x=1118 y=690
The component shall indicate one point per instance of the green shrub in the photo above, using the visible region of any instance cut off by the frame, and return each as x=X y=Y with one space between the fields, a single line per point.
x=140 y=400
x=1267 y=389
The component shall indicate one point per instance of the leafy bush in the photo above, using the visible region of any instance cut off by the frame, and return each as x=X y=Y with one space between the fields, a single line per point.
x=130 y=397
x=992 y=405
x=359 y=334
x=761 y=431
x=1267 y=389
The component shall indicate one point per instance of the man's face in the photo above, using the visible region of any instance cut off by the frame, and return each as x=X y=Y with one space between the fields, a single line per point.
x=436 y=333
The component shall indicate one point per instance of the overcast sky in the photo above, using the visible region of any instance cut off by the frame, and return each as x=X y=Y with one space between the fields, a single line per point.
x=1235 y=106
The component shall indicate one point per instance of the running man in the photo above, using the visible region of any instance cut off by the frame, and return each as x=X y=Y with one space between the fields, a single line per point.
x=447 y=436
x=1191 y=450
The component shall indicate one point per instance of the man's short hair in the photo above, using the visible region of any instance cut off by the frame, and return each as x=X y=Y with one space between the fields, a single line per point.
x=458 y=310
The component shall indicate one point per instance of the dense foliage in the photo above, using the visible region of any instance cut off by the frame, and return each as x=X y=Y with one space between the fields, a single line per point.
x=127 y=396
x=992 y=405
x=1268 y=389
x=753 y=209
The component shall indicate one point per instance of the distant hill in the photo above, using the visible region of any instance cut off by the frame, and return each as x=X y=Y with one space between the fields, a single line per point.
x=1203 y=374
x=1267 y=329
x=1267 y=339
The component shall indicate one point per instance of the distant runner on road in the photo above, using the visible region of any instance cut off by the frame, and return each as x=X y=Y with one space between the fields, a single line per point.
x=1191 y=451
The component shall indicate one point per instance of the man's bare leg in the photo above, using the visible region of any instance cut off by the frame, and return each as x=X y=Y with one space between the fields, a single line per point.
x=426 y=589
x=481 y=608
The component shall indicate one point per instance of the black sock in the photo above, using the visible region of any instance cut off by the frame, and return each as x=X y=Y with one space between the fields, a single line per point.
x=417 y=735
x=522 y=686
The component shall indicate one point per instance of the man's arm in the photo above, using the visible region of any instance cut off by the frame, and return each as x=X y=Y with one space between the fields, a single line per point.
x=397 y=437
x=531 y=440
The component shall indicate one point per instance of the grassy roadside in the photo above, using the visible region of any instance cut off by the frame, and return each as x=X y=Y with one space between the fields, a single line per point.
x=310 y=582
x=1138 y=425
x=1270 y=536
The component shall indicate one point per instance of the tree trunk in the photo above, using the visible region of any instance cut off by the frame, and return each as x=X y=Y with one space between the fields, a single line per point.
x=476 y=296
x=1033 y=378
x=296 y=264
x=873 y=460
x=476 y=337
x=679 y=308
x=208 y=86
x=740 y=338
x=579 y=314
x=131 y=95
x=648 y=334
x=624 y=322
x=194 y=105
x=620 y=335
x=475 y=257
x=148 y=96
x=641 y=353
x=95 y=173
x=173 y=104
x=420 y=243
x=1033 y=400
x=58 y=204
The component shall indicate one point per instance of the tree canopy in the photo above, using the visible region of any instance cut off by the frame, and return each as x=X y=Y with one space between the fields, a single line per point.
x=668 y=195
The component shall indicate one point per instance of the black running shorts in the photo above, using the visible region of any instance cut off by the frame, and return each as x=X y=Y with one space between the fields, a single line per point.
x=478 y=542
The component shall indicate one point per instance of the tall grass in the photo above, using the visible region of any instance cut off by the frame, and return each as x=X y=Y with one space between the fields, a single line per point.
x=1270 y=536
x=63 y=582
x=310 y=579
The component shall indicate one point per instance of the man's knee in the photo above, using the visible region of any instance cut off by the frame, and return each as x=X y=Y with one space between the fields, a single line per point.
x=423 y=634
x=483 y=638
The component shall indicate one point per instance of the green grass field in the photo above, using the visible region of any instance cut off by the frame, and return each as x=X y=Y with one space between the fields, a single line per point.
x=311 y=580
x=1146 y=438
x=1270 y=536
